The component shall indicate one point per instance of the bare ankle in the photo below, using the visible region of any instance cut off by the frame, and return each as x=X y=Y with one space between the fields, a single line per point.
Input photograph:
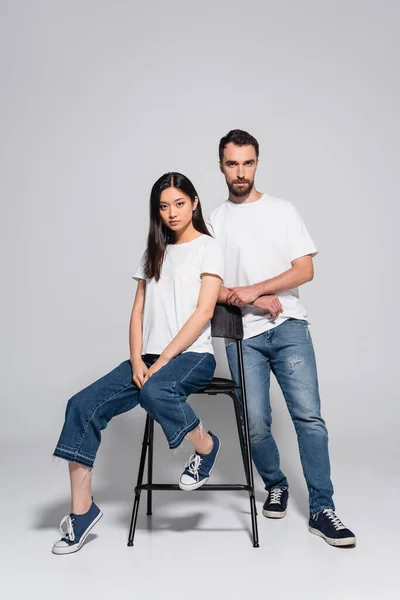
x=205 y=445
x=81 y=507
x=81 y=488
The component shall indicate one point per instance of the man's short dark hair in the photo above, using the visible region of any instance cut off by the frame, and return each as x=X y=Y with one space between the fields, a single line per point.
x=239 y=138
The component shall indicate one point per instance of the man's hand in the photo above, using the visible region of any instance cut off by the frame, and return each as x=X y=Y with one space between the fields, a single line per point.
x=240 y=296
x=139 y=371
x=270 y=304
x=160 y=362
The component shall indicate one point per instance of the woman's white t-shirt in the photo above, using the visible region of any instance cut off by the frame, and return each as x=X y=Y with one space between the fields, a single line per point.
x=170 y=301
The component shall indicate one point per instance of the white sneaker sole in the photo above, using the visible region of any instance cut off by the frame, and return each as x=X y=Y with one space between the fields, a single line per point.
x=350 y=541
x=76 y=547
x=194 y=486
x=272 y=514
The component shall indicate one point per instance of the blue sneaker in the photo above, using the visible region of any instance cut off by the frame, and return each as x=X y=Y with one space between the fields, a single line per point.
x=276 y=504
x=199 y=466
x=328 y=526
x=77 y=528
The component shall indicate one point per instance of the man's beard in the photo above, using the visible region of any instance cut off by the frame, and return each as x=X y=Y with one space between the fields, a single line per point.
x=240 y=192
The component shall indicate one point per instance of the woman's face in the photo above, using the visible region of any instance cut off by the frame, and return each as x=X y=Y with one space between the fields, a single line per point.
x=176 y=209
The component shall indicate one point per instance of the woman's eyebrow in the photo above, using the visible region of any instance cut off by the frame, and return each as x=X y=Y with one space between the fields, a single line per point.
x=177 y=200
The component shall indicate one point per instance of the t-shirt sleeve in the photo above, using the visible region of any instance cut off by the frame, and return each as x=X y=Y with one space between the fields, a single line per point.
x=299 y=242
x=210 y=227
x=212 y=260
x=139 y=272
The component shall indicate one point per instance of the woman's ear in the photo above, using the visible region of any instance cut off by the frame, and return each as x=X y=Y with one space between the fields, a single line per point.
x=195 y=203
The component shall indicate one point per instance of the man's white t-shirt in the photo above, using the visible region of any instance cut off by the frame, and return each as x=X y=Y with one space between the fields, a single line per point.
x=170 y=301
x=259 y=241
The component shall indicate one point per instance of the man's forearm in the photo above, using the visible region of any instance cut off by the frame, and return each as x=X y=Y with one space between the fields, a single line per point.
x=246 y=295
x=292 y=278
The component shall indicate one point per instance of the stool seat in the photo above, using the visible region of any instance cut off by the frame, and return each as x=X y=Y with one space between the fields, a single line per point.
x=219 y=385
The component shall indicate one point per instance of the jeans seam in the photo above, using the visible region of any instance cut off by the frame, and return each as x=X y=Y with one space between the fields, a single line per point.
x=69 y=449
x=194 y=367
x=176 y=395
x=94 y=411
x=182 y=432
x=183 y=429
x=74 y=457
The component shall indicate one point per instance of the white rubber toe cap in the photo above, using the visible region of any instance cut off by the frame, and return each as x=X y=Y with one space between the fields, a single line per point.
x=62 y=547
x=61 y=544
x=188 y=483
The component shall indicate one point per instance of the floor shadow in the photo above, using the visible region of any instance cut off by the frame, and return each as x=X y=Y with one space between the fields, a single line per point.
x=91 y=538
x=169 y=522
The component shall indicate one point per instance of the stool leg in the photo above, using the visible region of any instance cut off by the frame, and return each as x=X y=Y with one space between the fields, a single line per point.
x=249 y=470
x=150 y=468
x=139 y=481
x=239 y=424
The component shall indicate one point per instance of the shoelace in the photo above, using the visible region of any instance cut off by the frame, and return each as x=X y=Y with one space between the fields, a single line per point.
x=275 y=496
x=69 y=531
x=193 y=465
x=337 y=523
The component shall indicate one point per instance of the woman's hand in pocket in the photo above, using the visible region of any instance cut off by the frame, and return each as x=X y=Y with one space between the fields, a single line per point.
x=139 y=372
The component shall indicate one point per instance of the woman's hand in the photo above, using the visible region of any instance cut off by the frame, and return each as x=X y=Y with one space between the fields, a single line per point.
x=139 y=372
x=160 y=362
x=270 y=304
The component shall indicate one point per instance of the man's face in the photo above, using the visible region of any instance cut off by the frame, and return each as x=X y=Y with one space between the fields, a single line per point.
x=239 y=165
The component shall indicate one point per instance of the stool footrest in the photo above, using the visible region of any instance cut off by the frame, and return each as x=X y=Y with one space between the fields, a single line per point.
x=221 y=487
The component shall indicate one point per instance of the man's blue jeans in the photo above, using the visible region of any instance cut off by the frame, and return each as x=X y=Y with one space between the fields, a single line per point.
x=288 y=352
x=163 y=396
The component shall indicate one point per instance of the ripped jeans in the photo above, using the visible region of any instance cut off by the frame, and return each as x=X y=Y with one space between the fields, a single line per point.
x=288 y=352
x=163 y=396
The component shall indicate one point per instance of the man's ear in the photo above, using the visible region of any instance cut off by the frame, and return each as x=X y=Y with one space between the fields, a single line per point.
x=220 y=167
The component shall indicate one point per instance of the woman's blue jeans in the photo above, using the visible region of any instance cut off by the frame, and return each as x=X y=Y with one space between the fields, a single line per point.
x=288 y=352
x=163 y=396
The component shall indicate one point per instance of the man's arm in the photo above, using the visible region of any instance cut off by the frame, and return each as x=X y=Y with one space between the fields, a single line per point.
x=302 y=270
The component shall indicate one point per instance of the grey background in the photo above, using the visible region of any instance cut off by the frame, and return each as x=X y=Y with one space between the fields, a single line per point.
x=98 y=99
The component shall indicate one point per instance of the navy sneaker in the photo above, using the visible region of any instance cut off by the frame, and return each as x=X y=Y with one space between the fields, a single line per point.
x=276 y=503
x=77 y=528
x=199 y=466
x=328 y=526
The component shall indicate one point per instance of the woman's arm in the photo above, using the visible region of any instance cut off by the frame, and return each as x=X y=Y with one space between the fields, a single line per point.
x=223 y=295
x=191 y=330
x=208 y=296
x=139 y=369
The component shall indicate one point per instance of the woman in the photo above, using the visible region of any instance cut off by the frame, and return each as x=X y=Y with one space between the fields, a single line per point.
x=171 y=355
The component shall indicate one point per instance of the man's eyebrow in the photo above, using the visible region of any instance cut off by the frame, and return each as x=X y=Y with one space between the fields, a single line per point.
x=248 y=160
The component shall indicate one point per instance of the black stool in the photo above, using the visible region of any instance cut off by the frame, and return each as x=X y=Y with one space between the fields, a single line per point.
x=226 y=323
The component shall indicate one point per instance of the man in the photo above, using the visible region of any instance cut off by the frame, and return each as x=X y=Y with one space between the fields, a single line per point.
x=268 y=255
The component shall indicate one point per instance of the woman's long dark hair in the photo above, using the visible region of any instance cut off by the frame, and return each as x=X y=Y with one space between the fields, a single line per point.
x=160 y=235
